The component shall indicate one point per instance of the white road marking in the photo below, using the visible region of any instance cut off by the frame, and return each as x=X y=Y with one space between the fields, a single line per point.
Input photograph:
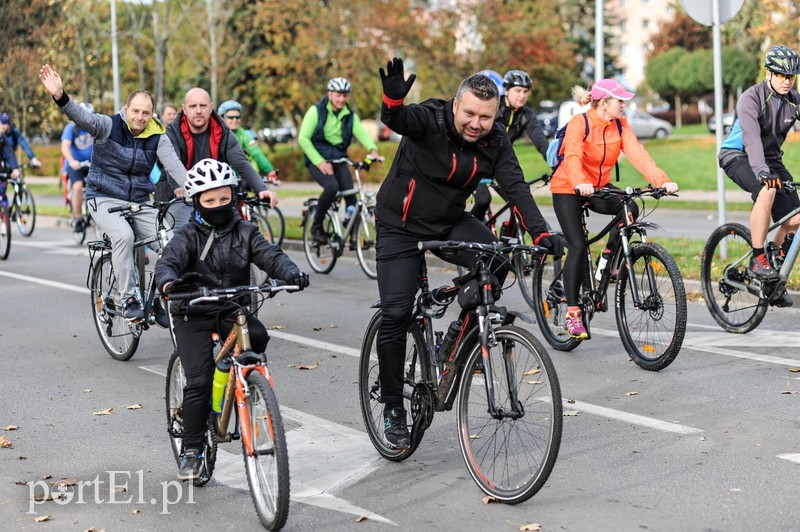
x=792 y=457
x=634 y=419
x=326 y=346
x=53 y=247
x=323 y=456
x=45 y=282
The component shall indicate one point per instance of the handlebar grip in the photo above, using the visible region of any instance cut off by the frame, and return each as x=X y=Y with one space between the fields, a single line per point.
x=119 y=208
x=433 y=244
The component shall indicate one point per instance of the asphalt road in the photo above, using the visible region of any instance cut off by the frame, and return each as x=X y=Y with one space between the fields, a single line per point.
x=710 y=443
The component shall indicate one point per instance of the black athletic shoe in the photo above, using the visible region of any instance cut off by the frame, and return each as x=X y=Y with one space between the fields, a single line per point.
x=160 y=314
x=395 y=430
x=191 y=461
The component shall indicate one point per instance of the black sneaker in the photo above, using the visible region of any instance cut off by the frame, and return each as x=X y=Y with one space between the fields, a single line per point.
x=79 y=226
x=191 y=461
x=132 y=310
x=319 y=235
x=160 y=314
x=785 y=300
x=395 y=430
x=760 y=267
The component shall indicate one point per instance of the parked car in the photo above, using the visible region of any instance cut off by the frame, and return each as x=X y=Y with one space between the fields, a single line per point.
x=548 y=121
x=275 y=135
x=645 y=125
x=727 y=123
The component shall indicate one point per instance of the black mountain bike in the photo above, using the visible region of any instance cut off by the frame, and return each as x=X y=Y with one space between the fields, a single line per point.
x=509 y=408
x=650 y=299
x=737 y=300
x=21 y=205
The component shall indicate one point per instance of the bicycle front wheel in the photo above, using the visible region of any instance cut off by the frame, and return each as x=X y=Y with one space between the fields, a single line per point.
x=25 y=211
x=119 y=337
x=321 y=257
x=726 y=283
x=653 y=329
x=524 y=268
x=276 y=222
x=176 y=380
x=366 y=239
x=5 y=233
x=266 y=459
x=510 y=452
x=263 y=224
x=550 y=302
x=369 y=385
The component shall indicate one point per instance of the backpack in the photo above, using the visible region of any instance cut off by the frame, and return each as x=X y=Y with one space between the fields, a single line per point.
x=555 y=153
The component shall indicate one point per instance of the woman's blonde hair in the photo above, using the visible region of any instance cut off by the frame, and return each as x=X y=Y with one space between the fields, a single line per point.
x=582 y=95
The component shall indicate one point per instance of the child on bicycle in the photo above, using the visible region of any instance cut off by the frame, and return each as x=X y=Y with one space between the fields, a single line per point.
x=214 y=249
x=588 y=160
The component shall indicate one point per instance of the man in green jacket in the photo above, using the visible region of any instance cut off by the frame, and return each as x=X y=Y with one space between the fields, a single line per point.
x=231 y=112
x=328 y=129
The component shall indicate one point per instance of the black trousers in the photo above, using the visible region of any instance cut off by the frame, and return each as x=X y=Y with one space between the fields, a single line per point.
x=398 y=263
x=195 y=349
x=568 y=211
x=331 y=184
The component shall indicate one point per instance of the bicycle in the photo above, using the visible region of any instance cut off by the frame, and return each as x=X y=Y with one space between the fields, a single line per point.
x=650 y=298
x=119 y=336
x=5 y=232
x=254 y=209
x=257 y=420
x=512 y=227
x=358 y=228
x=85 y=217
x=21 y=206
x=737 y=300
x=509 y=409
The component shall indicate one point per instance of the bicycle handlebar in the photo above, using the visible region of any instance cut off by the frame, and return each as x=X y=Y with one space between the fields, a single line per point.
x=630 y=192
x=362 y=165
x=253 y=200
x=136 y=207
x=222 y=294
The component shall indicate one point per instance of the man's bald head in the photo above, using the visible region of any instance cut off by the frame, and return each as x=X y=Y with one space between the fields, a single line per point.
x=197 y=107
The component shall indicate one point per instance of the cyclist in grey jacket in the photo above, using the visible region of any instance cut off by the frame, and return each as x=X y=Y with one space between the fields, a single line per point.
x=752 y=157
x=127 y=146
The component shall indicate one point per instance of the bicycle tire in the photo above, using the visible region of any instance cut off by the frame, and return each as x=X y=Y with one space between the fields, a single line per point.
x=736 y=311
x=550 y=306
x=652 y=337
x=523 y=264
x=119 y=338
x=25 y=211
x=321 y=257
x=268 y=468
x=5 y=233
x=263 y=224
x=510 y=459
x=176 y=380
x=369 y=385
x=366 y=241
x=277 y=223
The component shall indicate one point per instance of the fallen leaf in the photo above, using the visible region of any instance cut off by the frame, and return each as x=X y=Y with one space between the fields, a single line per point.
x=106 y=412
x=694 y=296
x=535 y=382
x=136 y=511
x=571 y=413
x=276 y=327
x=21 y=483
x=87 y=390
x=23 y=457
x=315 y=365
x=10 y=427
x=531 y=372
x=632 y=393
x=93 y=529
x=334 y=326
x=571 y=401
x=474 y=437
x=137 y=406
x=47 y=477
x=65 y=482
x=316 y=328
x=736 y=490
x=794 y=370
x=43 y=497
x=533 y=527
x=361 y=518
x=290 y=366
x=702 y=438
x=787 y=392
x=42 y=519
x=6 y=443
x=489 y=500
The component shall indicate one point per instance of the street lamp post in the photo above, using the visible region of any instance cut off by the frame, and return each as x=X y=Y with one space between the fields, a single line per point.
x=114 y=54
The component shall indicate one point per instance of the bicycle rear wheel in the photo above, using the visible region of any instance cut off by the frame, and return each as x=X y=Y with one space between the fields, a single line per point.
x=321 y=257
x=176 y=380
x=25 y=211
x=267 y=465
x=550 y=306
x=725 y=281
x=366 y=240
x=370 y=389
x=653 y=332
x=5 y=233
x=263 y=224
x=119 y=337
x=510 y=454
x=524 y=267
x=277 y=224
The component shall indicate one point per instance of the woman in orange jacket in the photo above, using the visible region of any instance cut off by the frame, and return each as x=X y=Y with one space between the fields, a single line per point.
x=587 y=164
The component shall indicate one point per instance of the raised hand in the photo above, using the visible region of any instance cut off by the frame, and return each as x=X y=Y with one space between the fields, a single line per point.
x=395 y=86
x=51 y=81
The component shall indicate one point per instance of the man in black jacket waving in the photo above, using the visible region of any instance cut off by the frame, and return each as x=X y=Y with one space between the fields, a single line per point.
x=448 y=146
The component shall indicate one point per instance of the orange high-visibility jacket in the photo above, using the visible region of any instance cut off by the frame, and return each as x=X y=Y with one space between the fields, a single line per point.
x=591 y=160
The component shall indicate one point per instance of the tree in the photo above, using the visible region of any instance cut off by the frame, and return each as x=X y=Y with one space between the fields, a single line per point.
x=658 y=75
x=578 y=20
x=682 y=31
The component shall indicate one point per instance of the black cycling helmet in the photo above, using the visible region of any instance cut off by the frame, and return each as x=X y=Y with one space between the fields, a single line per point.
x=782 y=60
x=517 y=78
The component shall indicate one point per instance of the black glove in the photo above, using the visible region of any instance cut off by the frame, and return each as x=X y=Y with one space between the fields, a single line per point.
x=769 y=181
x=299 y=278
x=189 y=281
x=395 y=86
x=553 y=243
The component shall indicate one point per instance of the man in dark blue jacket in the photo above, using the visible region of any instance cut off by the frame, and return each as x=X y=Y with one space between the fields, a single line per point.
x=17 y=139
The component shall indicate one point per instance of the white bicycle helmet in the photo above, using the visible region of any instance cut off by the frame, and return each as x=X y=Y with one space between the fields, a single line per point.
x=229 y=105
x=208 y=174
x=339 y=85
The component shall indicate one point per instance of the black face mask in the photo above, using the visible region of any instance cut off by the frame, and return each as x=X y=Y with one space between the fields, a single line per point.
x=216 y=216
